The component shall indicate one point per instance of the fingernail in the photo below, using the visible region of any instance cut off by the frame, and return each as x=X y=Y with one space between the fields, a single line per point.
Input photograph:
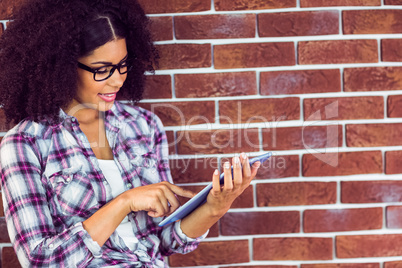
x=243 y=155
x=227 y=165
x=216 y=172
x=236 y=160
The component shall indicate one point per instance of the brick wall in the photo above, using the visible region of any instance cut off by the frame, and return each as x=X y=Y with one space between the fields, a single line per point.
x=318 y=83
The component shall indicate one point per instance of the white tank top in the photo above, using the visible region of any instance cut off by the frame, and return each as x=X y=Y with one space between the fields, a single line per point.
x=113 y=177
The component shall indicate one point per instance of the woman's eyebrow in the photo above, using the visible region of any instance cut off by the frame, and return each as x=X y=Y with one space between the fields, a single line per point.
x=108 y=62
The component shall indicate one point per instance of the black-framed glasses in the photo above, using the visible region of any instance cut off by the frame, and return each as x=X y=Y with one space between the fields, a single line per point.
x=106 y=71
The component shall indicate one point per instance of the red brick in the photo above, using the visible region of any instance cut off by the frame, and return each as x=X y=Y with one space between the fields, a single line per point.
x=215 y=84
x=158 y=87
x=295 y=193
x=373 y=79
x=393 y=264
x=1 y=29
x=393 y=162
x=293 y=248
x=380 y=21
x=193 y=170
x=394 y=106
x=215 y=26
x=1 y=205
x=337 y=51
x=177 y=6
x=254 y=55
x=9 y=258
x=9 y=7
x=245 y=200
x=281 y=166
x=393 y=2
x=298 y=23
x=372 y=135
x=218 y=141
x=162 y=28
x=249 y=223
x=293 y=138
x=342 y=163
x=300 y=82
x=329 y=3
x=259 y=110
x=394 y=217
x=214 y=230
x=183 y=113
x=213 y=253
x=391 y=49
x=346 y=108
x=339 y=220
x=171 y=142
x=356 y=246
x=371 y=191
x=229 y=5
x=341 y=265
x=183 y=56
x=4 y=238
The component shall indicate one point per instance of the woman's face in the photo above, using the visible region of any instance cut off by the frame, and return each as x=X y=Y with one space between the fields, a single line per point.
x=100 y=95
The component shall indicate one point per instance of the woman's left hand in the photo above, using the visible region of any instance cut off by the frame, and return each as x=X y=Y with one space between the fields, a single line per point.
x=221 y=197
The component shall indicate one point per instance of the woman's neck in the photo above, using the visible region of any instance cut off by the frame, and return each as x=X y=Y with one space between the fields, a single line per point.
x=84 y=114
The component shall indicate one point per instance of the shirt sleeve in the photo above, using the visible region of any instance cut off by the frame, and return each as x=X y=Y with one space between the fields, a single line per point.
x=178 y=241
x=173 y=239
x=27 y=212
x=183 y=237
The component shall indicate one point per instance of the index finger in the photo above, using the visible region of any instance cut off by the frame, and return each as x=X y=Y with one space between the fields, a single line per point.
x=180 y=191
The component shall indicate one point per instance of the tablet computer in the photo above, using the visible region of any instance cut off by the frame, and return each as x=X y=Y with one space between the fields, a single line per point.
x=201 y=197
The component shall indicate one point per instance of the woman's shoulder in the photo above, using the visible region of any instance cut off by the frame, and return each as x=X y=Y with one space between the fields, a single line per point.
x=28 y=128
x=27 y=138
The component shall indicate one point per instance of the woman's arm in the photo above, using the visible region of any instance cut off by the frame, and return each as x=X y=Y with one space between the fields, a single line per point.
x=28 y=216
x=157 y=199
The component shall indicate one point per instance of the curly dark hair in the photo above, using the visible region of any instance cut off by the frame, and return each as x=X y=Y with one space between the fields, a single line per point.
x=40 y=48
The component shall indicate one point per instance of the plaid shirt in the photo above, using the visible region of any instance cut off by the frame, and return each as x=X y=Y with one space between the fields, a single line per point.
x=51 y=183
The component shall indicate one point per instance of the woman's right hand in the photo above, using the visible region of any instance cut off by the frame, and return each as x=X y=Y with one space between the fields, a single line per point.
x=157 y=199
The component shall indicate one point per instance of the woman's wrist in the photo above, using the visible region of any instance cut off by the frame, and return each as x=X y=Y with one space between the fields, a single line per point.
x=199 y=221
x=125 y=201
x=214 y=212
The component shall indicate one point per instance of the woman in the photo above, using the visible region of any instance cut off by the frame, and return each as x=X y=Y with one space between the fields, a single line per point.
x=85 y=178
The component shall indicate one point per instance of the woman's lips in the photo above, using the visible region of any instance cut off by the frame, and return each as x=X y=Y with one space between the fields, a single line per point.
x=108 y=97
